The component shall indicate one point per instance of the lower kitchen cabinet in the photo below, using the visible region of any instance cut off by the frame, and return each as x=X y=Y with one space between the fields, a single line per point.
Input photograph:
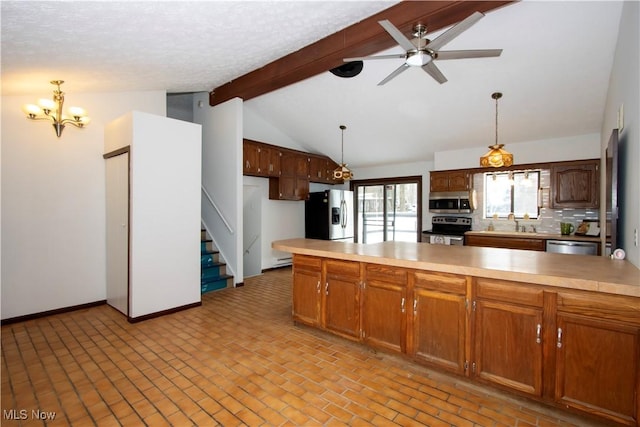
x=508 y=336
x=598 y=358
x=307 y=277
x=341 y=307
x=384 y=307
x=439 y=326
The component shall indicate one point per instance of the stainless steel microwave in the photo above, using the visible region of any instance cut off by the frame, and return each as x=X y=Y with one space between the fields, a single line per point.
x=452 y=201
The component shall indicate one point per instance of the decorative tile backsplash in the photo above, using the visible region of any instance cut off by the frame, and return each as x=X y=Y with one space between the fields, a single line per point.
x=548 y=221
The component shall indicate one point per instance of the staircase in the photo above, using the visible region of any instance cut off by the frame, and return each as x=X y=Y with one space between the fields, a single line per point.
x=212 y=271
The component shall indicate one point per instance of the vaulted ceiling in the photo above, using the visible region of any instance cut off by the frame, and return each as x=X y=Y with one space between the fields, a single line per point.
x=554 y=69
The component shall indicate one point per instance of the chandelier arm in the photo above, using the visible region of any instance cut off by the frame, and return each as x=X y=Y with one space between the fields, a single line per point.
x=73 y=122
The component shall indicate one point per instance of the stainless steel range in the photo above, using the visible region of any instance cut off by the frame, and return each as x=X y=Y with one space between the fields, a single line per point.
x=447 y=230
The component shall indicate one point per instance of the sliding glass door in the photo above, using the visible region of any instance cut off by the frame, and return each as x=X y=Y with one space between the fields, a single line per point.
x=388 y=209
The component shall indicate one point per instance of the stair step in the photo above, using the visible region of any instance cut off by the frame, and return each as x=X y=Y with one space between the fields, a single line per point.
x=213 y=272
x=209 y=259
x=218 y=283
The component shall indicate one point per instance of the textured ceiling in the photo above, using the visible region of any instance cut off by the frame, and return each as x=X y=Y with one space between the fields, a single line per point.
x=554 y=70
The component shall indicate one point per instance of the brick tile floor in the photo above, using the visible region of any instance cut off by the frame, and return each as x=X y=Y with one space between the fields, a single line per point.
x=236 y=360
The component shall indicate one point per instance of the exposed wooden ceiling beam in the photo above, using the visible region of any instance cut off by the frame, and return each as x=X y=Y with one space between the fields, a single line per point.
x=364 y=38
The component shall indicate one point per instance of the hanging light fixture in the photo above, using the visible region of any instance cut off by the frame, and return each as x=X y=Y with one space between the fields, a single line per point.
x=497 y=157
x=342 y=172
x=52 y=110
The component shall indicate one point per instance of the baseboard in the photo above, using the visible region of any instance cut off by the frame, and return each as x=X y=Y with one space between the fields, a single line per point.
x=163 y=312
x=51 y=312
x=280 y=267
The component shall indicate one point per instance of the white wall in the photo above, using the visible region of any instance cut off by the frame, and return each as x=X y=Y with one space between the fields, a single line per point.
x=53 y=203
x=281 y=219
x=165 y=158
x=548 y=150
x=222 y=175
x=624 y=89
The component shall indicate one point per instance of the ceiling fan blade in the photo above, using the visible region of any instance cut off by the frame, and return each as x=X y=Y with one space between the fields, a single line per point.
x=397 y=35
x=431 y=69
x=461 y=54
x=395 y=73
x=455 y=31
x=365 y=58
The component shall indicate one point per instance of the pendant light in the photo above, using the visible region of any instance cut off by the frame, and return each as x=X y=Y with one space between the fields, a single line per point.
x=497 y=157
x=342 y=172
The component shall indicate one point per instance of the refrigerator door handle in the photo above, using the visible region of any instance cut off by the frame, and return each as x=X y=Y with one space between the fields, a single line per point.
x=343 y=214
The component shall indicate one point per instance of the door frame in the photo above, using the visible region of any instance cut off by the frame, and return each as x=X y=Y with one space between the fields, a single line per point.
x=415 y=179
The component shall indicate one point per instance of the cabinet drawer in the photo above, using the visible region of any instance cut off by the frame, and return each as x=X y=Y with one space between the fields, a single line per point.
x=513 y=292
x=505 y=242
x=343 y=268
x=304 y=262
x=441 y=282
x=612 y=307
x=386 y=274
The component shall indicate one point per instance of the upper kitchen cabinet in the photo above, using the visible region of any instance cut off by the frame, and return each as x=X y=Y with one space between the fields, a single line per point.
x=456 y=180
x=260 y=159
x=293 y=182
x=321 y=169
x=575 y=184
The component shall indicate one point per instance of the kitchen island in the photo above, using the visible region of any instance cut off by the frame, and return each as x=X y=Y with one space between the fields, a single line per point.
x=561 y=329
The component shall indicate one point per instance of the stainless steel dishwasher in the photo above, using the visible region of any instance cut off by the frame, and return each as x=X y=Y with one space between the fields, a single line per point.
x=572 y=247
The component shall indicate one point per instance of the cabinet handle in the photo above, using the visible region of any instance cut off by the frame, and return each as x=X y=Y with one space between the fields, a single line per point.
x=318 y=286
x=402 y=306
x=326 y=288
x=247 y=165
x=415 y=306
x=559 y=337
x=538 y=330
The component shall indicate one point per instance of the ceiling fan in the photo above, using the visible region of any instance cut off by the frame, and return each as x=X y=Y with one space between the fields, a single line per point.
x=421 y=52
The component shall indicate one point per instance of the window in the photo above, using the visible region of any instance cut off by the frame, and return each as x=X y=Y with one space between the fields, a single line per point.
x=514 y=193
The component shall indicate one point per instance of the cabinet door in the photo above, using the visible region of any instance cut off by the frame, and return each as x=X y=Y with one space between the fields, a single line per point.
x=439 y=328
x=575 y=185
x=270 y=161
x=598 y=367
x=318 y=169
x=384 y=315
x=251 y=158
x=508 y=346
x=306 y=296
x=459 y=181
x=439 y=181
x=342 y=297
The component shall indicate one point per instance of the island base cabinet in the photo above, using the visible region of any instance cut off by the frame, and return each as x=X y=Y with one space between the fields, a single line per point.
x=342 y=297
x=508 y=346
x=384 y=308
x=307 y=276
x=440 y=322
x=598 y=367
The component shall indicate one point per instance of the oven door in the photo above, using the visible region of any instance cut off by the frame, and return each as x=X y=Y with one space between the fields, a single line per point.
x=442 y=239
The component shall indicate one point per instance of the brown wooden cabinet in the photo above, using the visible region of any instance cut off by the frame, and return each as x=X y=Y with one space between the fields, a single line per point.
x=293 y=182
x=439 y=329
x=452 y=180
x=260 y=159
x=575 y=184
x=598 y=356
x=508 y=335
x=307 y=279
x=341 y=303
x=384 y=307
x=531 y=244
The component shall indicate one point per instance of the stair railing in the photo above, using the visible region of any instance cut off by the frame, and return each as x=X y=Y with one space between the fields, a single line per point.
x=224 y=220
x=255 y=239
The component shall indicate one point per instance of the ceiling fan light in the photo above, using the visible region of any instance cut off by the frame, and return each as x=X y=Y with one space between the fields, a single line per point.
x=418 y=59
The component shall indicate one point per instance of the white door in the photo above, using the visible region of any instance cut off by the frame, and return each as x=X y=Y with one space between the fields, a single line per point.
x=117 y=189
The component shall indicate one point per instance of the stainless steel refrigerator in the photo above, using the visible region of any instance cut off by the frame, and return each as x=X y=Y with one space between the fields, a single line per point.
x=329 y=215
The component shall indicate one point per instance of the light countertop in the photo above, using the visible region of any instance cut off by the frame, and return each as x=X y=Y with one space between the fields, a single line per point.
x=585 y=272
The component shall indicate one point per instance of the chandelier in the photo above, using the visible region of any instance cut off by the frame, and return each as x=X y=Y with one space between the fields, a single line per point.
x=497 y=157
x=48 y=109
x=342 y=172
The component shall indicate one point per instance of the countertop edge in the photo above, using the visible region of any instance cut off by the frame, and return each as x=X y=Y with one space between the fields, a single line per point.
x=550 y=277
